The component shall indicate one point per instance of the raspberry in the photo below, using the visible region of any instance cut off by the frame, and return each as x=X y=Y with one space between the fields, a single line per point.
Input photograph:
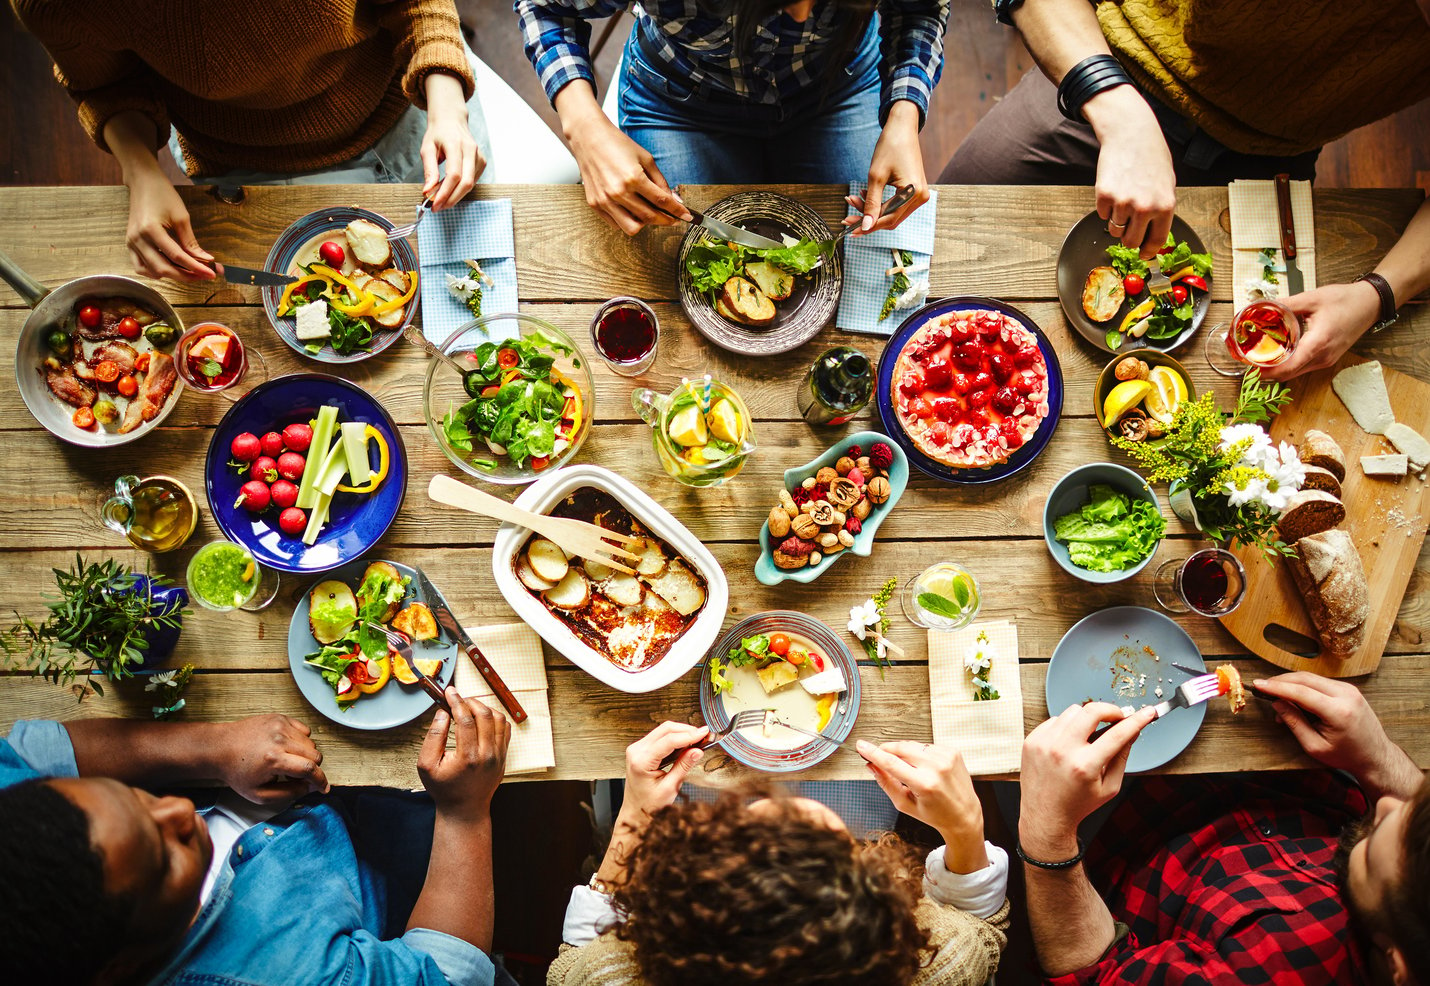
x=854 y=451
x=795 y=547
x=881 y=456
x=853 y=526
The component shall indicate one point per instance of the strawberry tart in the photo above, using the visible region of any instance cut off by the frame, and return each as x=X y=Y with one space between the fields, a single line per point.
x=970 y=388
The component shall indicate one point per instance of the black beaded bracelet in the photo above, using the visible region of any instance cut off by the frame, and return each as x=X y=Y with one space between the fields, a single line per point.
x=1064 y=864
x=1086 y=79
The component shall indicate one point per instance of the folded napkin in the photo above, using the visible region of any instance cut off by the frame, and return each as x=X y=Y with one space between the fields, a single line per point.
x=446 y=240
x=866 y=258
x=514 y=650
x=1256 y=226
x=989 y=734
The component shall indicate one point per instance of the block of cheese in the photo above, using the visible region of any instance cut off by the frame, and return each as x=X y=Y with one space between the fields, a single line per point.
x=1412 y=443
x=1384 y=465
x=1361 y=389
x=313 y=321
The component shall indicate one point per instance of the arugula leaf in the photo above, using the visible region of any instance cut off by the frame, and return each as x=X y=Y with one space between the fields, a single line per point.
x=797 y=259
x=1169 y=321
x=347 y=334
x=750 y=650
x=710 y=264
x=1125 y=260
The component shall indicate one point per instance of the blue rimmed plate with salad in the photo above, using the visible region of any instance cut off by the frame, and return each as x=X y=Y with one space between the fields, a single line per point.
x=1103 y=288
x=356 y=290
x=523 y=405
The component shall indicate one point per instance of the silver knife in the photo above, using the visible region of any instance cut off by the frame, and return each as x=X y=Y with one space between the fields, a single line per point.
x=448 y=622
x=1295 y=282
x=262 y=278
x=727 y=231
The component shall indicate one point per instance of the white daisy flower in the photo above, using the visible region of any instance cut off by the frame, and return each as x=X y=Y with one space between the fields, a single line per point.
x=864 y=617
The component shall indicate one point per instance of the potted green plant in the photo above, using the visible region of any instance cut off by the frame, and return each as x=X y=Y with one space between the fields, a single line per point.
x=105 y=619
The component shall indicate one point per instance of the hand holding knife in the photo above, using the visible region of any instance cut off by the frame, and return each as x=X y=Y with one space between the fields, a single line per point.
x=453 y=629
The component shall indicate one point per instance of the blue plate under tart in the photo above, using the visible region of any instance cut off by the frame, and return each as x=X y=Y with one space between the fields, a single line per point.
x=356 y=522
x=1021 y=457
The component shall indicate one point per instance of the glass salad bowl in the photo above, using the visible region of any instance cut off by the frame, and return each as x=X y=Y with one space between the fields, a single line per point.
x=509 y=392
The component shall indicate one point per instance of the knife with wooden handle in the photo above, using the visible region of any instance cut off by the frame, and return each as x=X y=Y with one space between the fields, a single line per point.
x=448 y=622
x=1295 y=281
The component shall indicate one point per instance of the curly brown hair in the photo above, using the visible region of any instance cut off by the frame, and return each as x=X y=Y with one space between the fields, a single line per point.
x=717 y=894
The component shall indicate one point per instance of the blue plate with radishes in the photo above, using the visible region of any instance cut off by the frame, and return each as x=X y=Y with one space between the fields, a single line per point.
x=306 y=471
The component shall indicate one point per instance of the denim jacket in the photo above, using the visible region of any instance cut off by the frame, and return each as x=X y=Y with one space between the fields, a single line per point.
x=291 y=904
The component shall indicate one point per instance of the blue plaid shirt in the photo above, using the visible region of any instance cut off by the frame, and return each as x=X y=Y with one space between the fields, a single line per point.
x=696 y=46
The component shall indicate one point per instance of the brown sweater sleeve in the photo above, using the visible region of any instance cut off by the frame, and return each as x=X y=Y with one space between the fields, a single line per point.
x=429 y=39
x=103 y=83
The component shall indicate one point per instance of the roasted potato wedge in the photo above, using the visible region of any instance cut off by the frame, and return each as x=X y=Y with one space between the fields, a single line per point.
x=749 y=303
x=368 y=243
x=1103 y=294
x=416 y=621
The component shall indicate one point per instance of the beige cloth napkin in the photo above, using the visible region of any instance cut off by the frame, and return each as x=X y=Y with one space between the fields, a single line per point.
x=988 y=734
x=514 y=650
x=1255 y=226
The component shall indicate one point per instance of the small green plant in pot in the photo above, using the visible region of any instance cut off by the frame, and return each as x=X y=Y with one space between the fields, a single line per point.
x=105 y=618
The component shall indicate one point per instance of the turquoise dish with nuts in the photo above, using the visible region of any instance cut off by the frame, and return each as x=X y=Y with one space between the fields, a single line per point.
x=768 y=572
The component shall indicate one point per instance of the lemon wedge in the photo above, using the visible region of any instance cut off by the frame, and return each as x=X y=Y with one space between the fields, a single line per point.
x=687 y=427
x=724 y=421
x=1123 y=398
x=1266 y=351
x=1168 y=391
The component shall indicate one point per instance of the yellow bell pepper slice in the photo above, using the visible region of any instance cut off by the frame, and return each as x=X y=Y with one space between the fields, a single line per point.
x=577 y=410
x=363 y=305
x=383 y=461
x=1137 y=314
x=396 y=303
x=335 y=277
x=824 y=710
x=299 y=285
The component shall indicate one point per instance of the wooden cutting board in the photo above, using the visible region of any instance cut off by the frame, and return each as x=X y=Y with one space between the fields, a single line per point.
x=1386 y=518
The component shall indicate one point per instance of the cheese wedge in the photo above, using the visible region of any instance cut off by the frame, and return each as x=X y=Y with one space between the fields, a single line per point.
x=830 y=680
x=1412 y=443
x=1361 y=389
x=313 y=321
x=1384 y=465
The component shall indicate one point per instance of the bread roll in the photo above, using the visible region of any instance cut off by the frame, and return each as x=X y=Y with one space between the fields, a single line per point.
x=1320 y=449
x=1328 y=571
x=1318 y=478
x=1309 y=512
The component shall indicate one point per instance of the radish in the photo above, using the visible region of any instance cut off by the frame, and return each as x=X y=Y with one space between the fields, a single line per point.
x=246 y=447
x=264 y=469
x=273 y=444
x=292 y=521
x=253 y=496
x=290 y=465
x=284 y=494
x=298 y=436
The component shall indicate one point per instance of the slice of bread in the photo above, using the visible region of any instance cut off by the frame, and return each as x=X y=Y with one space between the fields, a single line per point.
x=1319 y=478
x=1329 y=573
x=1103 y=294
x=1320 y=449
x=748 y=303
x=1309 y=512
x=775 y=283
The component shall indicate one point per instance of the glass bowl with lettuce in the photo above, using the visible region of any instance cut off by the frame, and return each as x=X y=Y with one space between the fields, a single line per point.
x=523 y=406
x=1102 y=523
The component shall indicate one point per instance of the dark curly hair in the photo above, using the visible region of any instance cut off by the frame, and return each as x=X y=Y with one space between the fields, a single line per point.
x=716 y=894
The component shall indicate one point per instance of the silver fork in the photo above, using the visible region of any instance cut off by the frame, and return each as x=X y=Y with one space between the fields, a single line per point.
x=403 y=646
x=402 y=232
x=1188 y=693
x=1157 y=283
x=741 y=720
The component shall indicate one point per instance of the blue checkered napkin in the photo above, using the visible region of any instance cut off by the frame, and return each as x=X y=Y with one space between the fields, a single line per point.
x=446 y=240
x=866 y=258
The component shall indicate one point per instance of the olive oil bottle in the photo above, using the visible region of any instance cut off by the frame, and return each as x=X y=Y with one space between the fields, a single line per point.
x=836 y=387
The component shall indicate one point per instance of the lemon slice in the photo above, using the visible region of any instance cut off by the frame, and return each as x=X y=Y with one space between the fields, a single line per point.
x=957 y=587
x=1266 y=351
x=724 y=421
x=687 y=427
x=1168 y=391
x=1123 y=398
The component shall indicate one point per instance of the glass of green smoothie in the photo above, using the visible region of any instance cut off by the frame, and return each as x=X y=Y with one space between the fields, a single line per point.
x=224 y=576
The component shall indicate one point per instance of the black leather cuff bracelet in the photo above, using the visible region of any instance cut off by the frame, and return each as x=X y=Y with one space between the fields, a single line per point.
x=1062 y=865
x=1387 y=300
x=1086 y=79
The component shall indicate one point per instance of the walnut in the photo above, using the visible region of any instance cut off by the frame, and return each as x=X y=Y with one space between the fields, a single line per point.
x=862 y=509
x=821 y=511
x=783 y=560
x=863 y=464
x=826 y=476
x=779 y=523
x=844 y=465
x=805 y=526
x=843 y=493
x=1133 y=425
x=788 y=505
x=879 y=490
x=1131 y=368
x=846 y=539
x=815 y=558
x=1155 y=428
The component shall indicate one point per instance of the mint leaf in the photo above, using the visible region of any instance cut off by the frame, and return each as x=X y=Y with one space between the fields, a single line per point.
x=939 y=606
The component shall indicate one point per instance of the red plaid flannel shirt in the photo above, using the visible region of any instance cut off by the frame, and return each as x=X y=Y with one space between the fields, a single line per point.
x=1227 y=879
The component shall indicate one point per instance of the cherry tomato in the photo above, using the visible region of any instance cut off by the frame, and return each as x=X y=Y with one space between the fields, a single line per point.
x=779 y=644
x=83 y=418
x=130 y=328
x=1133 y=284
x=816 y=660
x=90 y=317
x=142 y=363
x=1193 y=281
x=1179 y=294
x=128 y=386
x=106 y=371
x=491 y=390
x=797 y=656
x=332 y=254
x=540 y=462
x=507 y=358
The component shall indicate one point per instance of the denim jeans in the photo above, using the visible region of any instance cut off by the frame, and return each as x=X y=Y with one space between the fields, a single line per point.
x=704 y=137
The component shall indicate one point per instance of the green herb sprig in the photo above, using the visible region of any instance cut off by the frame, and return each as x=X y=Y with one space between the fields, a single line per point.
x=898 y=286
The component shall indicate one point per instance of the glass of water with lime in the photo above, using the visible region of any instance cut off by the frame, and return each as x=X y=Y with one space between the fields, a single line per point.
x=941 y=597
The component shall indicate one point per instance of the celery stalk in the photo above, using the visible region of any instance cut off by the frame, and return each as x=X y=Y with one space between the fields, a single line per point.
x=334 y=469
x=355 y=442
x=323 y=428
x=317 y=518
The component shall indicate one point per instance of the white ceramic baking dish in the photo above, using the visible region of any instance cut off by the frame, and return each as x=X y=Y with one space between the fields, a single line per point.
x=544 y=494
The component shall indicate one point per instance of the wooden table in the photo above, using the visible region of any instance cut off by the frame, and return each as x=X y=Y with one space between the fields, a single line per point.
x=998 y=241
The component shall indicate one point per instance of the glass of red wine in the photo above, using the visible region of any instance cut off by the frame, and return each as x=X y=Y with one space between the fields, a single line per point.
x=1264 y=333
x=212 y=359
x=1210 y=582
x=625 y=332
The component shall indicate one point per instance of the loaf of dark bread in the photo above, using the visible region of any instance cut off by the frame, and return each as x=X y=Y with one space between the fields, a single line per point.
x=1309 y=512
x=1320 y=449
x=1328 y=571
x=1319 y=478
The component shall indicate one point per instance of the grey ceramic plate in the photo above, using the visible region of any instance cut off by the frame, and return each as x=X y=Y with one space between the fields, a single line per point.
x=1084 y=248
x=816 y=296
x=1081 y=670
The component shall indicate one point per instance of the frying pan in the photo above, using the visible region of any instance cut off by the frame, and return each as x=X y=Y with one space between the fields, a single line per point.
x=55 y=308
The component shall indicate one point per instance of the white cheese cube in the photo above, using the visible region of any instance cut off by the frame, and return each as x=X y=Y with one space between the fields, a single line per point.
x=831 y=679
x=1384 y=465
x=1410 y=441
x=313 y=321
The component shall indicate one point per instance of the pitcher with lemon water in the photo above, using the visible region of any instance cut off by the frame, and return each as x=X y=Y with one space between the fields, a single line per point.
x=702 y=432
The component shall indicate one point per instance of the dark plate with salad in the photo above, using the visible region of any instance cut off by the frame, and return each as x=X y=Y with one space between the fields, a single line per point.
x=760 y=302
x=1098 y=276
x=367 y=285
x=523 y=406
x=375 y=691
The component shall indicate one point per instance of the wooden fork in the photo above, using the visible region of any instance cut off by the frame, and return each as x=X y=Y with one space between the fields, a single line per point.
x=575 y=537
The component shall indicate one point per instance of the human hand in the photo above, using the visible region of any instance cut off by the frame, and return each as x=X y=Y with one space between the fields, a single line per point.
x=1349 y=735
x=160 y=238
x=931 y=783
x=1065 y=777
x=462 y=780
x=269 y=759
x=1136 y=184
x=648 y=788
x=1332 y=319
x=448 y=139
x=897 y=161
x=620 y=176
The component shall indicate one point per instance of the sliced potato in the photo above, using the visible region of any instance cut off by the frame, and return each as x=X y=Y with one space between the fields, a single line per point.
x=430 y=666
x=775 y=283
x=777 y=676
x=547 y=560
x=401 y=671
x=382 y=289
x=361 y=278
x=334 y=595
x=397 y=278
x=623 y=589
x=572 y=592
x=1103 y=294
x=597 y=571
x=652 y=560
x=724 y=310
x=749 y=303
x=368 y=242
x=529 y=578
x=678 y=586
x=416 y=621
